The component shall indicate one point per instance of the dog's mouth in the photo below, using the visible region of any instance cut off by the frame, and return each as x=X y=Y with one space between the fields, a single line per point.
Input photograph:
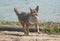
x=33 y=19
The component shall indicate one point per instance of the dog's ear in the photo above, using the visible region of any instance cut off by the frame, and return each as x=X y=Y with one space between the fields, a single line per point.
x=30 y=10
x=37 y=8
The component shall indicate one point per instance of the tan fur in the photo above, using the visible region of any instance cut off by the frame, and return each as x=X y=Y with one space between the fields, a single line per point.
x=23 y=18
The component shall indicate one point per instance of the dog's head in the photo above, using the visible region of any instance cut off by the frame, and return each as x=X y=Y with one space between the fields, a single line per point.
x=34 y=15
x=34 y=11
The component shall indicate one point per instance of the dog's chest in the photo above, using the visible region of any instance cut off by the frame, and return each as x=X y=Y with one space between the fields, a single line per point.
x=33 y=19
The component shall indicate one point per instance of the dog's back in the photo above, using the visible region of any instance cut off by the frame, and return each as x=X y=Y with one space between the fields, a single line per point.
x=23 y=17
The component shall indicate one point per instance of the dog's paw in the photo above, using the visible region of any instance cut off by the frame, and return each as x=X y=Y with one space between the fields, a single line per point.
x=38 y=32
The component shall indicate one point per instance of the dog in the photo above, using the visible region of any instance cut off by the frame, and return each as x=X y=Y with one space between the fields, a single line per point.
x=27 y=19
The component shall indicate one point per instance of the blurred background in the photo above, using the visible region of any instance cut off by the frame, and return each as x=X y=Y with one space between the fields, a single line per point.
x=49 y=10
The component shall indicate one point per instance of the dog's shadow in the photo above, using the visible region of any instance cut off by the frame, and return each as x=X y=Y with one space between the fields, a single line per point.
x=31 y=34
x=15 y=34
x=21 y=34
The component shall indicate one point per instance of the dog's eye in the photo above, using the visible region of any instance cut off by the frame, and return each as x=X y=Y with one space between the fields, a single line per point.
x=33 y=11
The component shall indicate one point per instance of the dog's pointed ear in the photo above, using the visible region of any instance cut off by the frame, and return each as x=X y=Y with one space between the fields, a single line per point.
x=37 y=8
x=30 y=10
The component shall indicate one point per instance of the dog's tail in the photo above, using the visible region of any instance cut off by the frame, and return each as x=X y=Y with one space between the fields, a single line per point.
x=16 y=11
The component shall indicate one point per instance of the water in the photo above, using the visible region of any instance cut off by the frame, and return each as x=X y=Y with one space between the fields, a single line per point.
x=49 y=10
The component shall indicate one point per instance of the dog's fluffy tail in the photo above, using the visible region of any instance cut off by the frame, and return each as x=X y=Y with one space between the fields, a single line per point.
x=16 y=11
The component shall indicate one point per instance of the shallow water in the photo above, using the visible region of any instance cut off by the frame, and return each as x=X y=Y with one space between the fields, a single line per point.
x=49 y=10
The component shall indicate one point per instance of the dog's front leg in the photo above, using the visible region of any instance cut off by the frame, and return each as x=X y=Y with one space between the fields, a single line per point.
x=37 y=28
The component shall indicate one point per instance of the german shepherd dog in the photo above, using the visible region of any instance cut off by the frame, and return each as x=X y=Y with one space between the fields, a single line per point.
x=27 y=19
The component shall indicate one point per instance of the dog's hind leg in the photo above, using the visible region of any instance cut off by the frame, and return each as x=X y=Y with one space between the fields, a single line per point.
x=24 y=28
x=27 y=28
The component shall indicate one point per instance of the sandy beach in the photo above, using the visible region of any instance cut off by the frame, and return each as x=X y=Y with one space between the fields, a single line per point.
x=33 y=36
